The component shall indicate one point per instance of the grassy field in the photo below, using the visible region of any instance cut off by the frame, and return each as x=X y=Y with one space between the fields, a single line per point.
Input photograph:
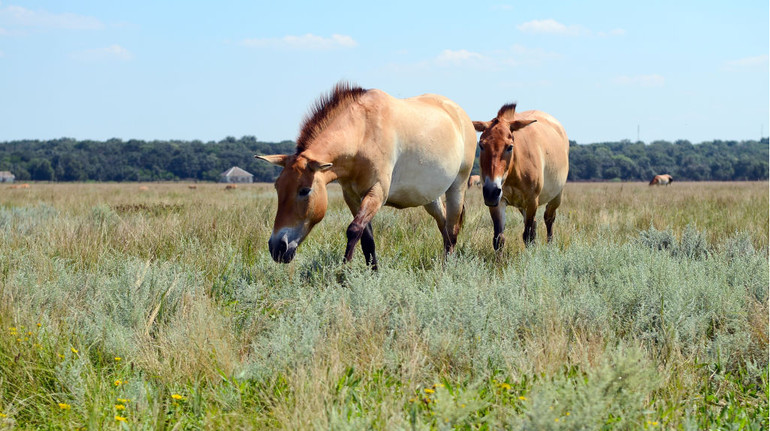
x=123 y=308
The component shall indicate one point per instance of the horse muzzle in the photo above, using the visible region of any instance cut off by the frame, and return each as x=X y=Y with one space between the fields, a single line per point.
x=281 y=248
x=492 y=194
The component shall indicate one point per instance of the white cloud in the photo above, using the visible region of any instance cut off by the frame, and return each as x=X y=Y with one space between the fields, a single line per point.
x=613 y=32
x=747 y=62
x=551 y=26
x=19 y=16
x=307 y=41
x=454 y=58
x=112 y=52
x=647 y=81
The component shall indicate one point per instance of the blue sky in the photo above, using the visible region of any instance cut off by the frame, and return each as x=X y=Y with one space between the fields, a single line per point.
x=695 y=70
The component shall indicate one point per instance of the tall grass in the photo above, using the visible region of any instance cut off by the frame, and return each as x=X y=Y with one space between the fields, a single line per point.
x=162 y=308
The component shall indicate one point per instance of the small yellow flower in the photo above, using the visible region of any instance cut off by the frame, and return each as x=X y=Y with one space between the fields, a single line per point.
x=505 y=386
x=74 y=350
x=118 y=382
x=177 y=397
x=429 y=391
x=64 y=406
x=61 y=356
x=118 y=358
x=3 y=415
x=120 y=407
x=556 y=420
x=566 y=414
x=522 y=398
x=120 y=418
x=123 y=400
x=438 y=385
x=39 y=325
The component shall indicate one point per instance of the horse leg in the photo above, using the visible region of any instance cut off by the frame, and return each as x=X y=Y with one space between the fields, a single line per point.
x=550 y=215
x=530 y=225
x=438 y=212
x=455 y=210
x=498 y=223
x=367 y=238
x=369 y=206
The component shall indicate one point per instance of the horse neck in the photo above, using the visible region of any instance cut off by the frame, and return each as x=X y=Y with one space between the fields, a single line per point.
x=338 y=148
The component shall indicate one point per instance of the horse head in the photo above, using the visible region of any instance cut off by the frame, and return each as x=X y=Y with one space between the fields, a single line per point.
x=496 y=144
x=302 y=201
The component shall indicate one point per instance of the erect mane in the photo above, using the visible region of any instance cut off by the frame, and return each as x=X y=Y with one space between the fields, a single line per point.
x=324 y=110
x=505 y=111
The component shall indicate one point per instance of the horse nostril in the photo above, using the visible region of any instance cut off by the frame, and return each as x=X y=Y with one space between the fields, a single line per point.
x=278 y=246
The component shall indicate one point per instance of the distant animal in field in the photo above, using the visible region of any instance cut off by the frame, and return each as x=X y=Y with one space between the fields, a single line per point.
x=231 y=186
x=524 y=162
x=474 y=181
x=662 y=180
x=192 y=186
x=382 y=151
x=143 y=188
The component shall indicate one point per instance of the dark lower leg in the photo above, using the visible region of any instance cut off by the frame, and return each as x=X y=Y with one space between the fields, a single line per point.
x=367 y=245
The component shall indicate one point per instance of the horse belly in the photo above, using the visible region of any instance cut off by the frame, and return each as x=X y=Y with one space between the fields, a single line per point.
x=416 y=183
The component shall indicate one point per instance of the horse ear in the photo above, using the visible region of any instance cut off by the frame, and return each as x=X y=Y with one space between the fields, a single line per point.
x=276 y=159
x=519 y=124
x=319 y=166
x=480 y=126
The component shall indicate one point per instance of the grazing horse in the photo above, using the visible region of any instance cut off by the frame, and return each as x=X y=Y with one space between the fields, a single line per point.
x=382 y=151
x=474 y=181
x=662 y=180
x=524 y=162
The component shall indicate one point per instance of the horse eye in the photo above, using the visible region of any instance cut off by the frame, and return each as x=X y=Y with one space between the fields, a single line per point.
x=304 y=191
x=508 y=148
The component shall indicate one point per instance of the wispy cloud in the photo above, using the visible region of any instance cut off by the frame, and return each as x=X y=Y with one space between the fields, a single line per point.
x=449 y=57
x=495 y=60
x=308 y=42
x=747 y=62
x=551 y=26
x=646 y=81
x=112 y=52
x=23 y=17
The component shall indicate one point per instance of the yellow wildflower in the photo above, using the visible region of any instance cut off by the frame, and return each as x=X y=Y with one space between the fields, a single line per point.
x=120 y=407
x=118 y=382
x=74 y=350
x=120 y=418
x=3 y=415
x=64 y=406
x=39 y=325
x=505 y=386
x=61 y=356
x=566 y=414
x=118 y=358
x=429 y=391
x=177 y=397
x=556 y=420
x=522 y=397
x=123 y=400
x=438 y=385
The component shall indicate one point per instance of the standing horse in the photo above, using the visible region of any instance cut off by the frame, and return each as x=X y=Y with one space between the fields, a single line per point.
x=524 y=162
x=382 y=151
x=662 y=180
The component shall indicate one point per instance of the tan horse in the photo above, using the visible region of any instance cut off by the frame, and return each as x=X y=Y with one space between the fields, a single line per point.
x=382 y=151
x=662 y=180
x=524 y=162
x=474 y=181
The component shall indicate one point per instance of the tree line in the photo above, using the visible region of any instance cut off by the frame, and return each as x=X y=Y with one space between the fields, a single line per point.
x=68 y=159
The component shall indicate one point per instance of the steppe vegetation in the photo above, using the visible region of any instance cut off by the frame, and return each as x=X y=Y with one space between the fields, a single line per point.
x=162 y=309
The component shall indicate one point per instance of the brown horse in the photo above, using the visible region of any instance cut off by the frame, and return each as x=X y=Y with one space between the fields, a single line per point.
x=382 y=151
x=662 y=180
x=524 y=162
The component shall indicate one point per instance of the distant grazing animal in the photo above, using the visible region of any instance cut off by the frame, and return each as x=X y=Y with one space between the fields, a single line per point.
x=382 y=151
x=231 y=187
x=143 y=188
x=192 y=186
x=24 y=186
x=524 y=162
x=474 y=181
x=662 y=180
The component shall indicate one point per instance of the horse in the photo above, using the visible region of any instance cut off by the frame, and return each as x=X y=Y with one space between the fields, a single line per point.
x=662 y=180
x=382 y=151
x=474 y=181
x=524 y=162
